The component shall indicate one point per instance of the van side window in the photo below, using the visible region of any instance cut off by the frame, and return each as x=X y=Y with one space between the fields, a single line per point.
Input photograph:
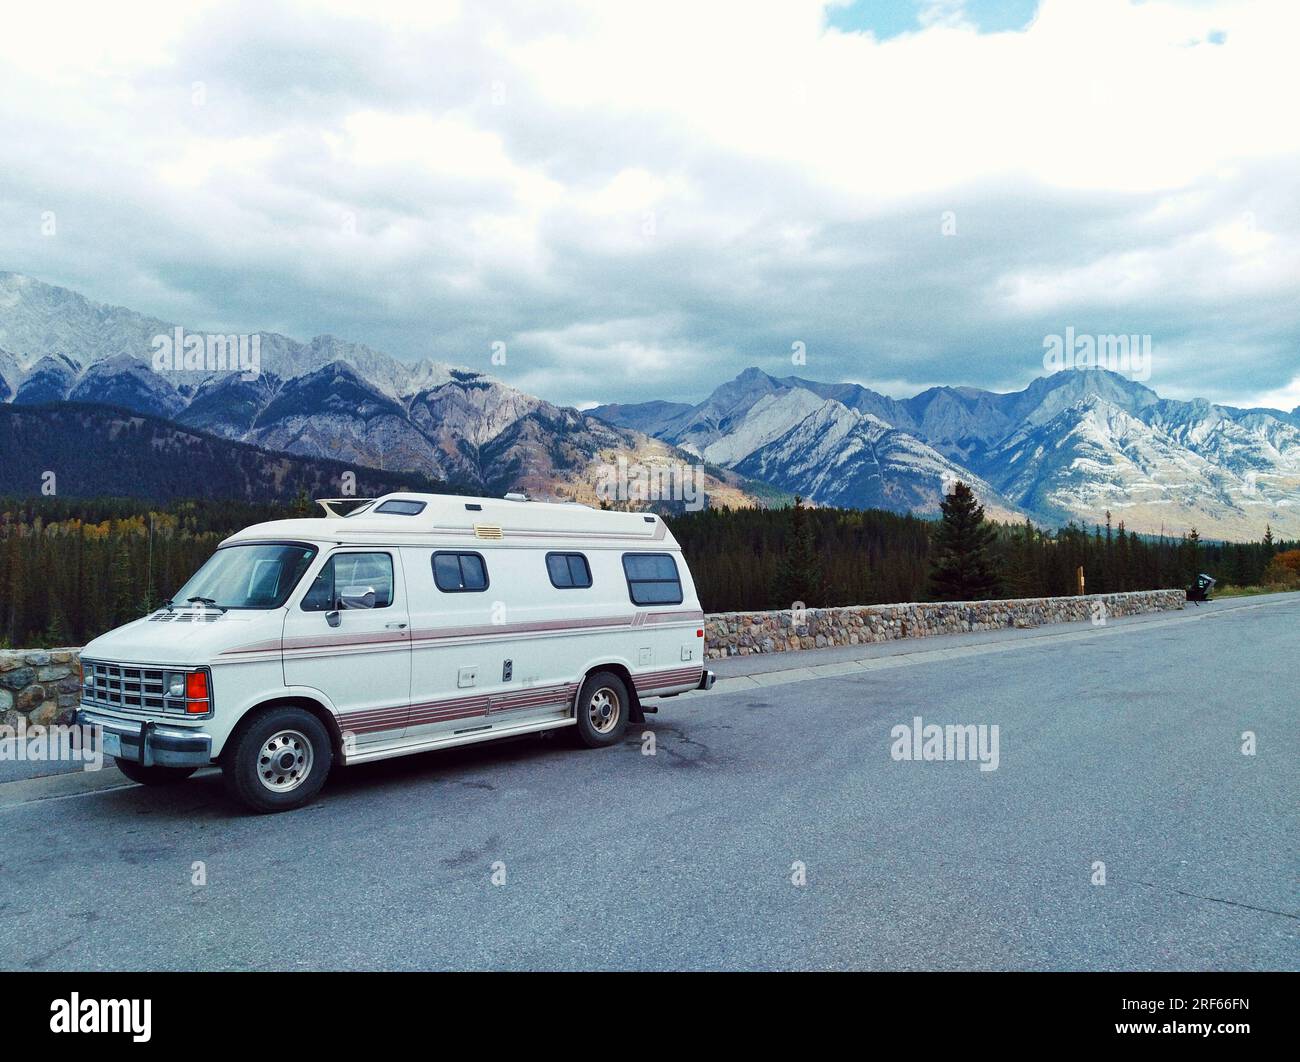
x=351 y=575
x=652 y=579
x=458 y=573
x=568 y=571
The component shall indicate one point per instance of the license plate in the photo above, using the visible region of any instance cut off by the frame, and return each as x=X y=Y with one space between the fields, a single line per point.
x=112 y=743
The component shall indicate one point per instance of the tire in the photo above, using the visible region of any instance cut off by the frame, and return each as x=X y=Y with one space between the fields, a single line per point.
x=278 y=761
x=603 y=709
x=153 y=775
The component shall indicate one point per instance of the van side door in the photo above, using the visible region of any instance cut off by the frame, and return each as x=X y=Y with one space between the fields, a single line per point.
x=502 y=636
x=348 y=636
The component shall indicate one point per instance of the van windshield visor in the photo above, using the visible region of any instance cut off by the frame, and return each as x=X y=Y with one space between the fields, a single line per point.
x=253 y=576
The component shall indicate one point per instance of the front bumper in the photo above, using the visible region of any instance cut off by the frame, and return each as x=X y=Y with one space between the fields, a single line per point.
x=148 y=743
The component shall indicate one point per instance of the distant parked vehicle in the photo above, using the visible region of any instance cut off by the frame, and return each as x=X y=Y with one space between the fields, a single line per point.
x=413 y=622
x=1200 y=588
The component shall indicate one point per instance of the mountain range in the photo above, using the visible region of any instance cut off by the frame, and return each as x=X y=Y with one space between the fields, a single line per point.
x=1070 y=446
x=326 y=398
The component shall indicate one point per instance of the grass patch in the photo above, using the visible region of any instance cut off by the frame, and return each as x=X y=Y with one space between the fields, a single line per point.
x=1247 y=591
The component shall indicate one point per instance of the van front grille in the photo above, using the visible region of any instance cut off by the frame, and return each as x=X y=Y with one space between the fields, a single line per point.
x=131 y=689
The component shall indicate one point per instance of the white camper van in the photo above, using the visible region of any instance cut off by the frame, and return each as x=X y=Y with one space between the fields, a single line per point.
x=412 y=622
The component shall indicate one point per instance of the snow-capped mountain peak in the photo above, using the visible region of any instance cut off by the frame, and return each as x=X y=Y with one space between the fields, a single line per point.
x=1069 y=446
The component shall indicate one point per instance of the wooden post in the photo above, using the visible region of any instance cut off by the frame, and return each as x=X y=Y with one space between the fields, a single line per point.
x=1079 y=575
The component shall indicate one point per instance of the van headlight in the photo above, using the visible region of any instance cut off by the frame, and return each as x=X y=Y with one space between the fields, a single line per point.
x=188 y=691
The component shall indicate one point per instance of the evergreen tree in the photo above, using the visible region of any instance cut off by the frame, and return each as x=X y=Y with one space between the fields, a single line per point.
x=16 y=591
x=1124 y=549
x=1189 y=556
x=963 y=564
x=799 y=574
x=56 y=634
x=1240 y=566
x=123 y=603
x=1022 y=572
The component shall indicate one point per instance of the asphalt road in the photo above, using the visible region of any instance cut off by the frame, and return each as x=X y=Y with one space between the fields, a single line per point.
x=1119 y=745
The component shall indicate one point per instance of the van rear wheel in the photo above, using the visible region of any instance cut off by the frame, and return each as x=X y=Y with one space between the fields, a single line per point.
x=603 y=707
x=279 y=761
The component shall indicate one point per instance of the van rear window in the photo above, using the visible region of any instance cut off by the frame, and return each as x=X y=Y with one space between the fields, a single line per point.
x=458 y=573
x=568 y=571
x=652 y=579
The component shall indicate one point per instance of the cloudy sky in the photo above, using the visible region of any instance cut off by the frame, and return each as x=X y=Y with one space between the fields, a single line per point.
x=640 y=199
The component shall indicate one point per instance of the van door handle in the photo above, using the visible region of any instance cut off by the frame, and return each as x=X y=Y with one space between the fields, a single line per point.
x=395 y=626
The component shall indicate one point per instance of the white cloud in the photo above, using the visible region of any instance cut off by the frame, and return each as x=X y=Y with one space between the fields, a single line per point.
x=62 y=42
x=1286 y=398
x=640 y=187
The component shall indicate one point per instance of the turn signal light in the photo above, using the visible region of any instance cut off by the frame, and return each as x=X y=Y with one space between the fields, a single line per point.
x=196 y=693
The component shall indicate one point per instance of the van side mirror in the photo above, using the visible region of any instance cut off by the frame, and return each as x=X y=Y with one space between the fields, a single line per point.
x=357 y=597
x=350 y=597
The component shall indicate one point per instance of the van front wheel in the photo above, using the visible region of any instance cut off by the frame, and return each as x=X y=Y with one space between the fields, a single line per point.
x=279 y=761
x=602 y=710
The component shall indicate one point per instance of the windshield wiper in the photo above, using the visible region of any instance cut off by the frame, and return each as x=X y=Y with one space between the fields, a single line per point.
x=206 y=601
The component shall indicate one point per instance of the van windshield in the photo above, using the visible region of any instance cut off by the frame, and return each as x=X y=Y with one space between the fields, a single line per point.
x=257 y=575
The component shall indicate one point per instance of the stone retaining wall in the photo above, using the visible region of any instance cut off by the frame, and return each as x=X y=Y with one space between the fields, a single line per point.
x=741 y=633
x=42 y=685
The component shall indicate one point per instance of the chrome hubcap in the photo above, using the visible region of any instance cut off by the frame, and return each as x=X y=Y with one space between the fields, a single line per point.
x=284 y=762
x=605 y=710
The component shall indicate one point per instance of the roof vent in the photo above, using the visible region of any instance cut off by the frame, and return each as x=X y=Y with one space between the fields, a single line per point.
x=516 y=496
x=328 y=504
x=488 y=531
